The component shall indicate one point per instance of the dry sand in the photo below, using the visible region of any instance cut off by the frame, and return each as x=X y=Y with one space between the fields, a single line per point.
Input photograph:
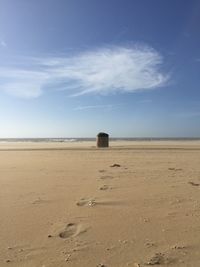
x=64 y=205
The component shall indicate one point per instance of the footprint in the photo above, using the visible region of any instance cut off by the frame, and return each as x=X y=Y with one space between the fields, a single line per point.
x=86 y=202
x=178 y=247
x=115 y=165
x=102 y=171
x=174 y=169
x=106 y=177
x=194 y=184
x=161 y=259
x=104 y=187
x=171 y=169
x=70 y=230
x=39 y=201
x=156 y=259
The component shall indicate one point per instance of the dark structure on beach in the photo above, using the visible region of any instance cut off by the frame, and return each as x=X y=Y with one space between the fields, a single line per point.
x=102 y=140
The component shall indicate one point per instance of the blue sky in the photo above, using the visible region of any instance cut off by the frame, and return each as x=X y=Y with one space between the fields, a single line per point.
x=72 y=68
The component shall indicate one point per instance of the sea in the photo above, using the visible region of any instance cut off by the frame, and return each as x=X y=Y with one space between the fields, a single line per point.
x=63 y=140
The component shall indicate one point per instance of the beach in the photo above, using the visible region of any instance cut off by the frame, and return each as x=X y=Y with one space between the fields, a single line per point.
x=70 y=204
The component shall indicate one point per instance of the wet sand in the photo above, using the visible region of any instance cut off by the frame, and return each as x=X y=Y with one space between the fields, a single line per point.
x=135 y=204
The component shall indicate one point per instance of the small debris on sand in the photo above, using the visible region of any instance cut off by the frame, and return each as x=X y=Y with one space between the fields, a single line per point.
x=68 y=257
x=8 y=261
x=49 y=236
x=91 y=203
x=194 y=184
x=115 y=165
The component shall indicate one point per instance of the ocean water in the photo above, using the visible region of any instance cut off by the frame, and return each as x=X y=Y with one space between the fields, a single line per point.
x=60 y=140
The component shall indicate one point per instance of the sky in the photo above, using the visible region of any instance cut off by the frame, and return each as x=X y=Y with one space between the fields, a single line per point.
x=73 y=68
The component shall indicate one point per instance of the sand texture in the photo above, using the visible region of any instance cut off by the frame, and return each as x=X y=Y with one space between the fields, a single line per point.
x=135 y=204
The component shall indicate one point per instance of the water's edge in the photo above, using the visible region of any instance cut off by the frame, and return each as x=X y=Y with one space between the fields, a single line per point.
x=5 y=140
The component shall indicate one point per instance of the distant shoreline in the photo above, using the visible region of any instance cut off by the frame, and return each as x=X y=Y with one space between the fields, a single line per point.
x=73 y=139
x=85 y=145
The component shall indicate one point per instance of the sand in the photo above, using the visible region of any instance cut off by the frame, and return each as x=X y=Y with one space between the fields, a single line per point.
x=70 y=205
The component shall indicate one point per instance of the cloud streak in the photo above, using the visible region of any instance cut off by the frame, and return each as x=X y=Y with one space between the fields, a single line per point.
x=94 y=107
x=103 y=71
x=3 y=43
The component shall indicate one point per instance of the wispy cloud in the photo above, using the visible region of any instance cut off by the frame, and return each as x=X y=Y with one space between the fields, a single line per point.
x=102 y=71
x=94 y=107
x=3 y=43
x=23 y=83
